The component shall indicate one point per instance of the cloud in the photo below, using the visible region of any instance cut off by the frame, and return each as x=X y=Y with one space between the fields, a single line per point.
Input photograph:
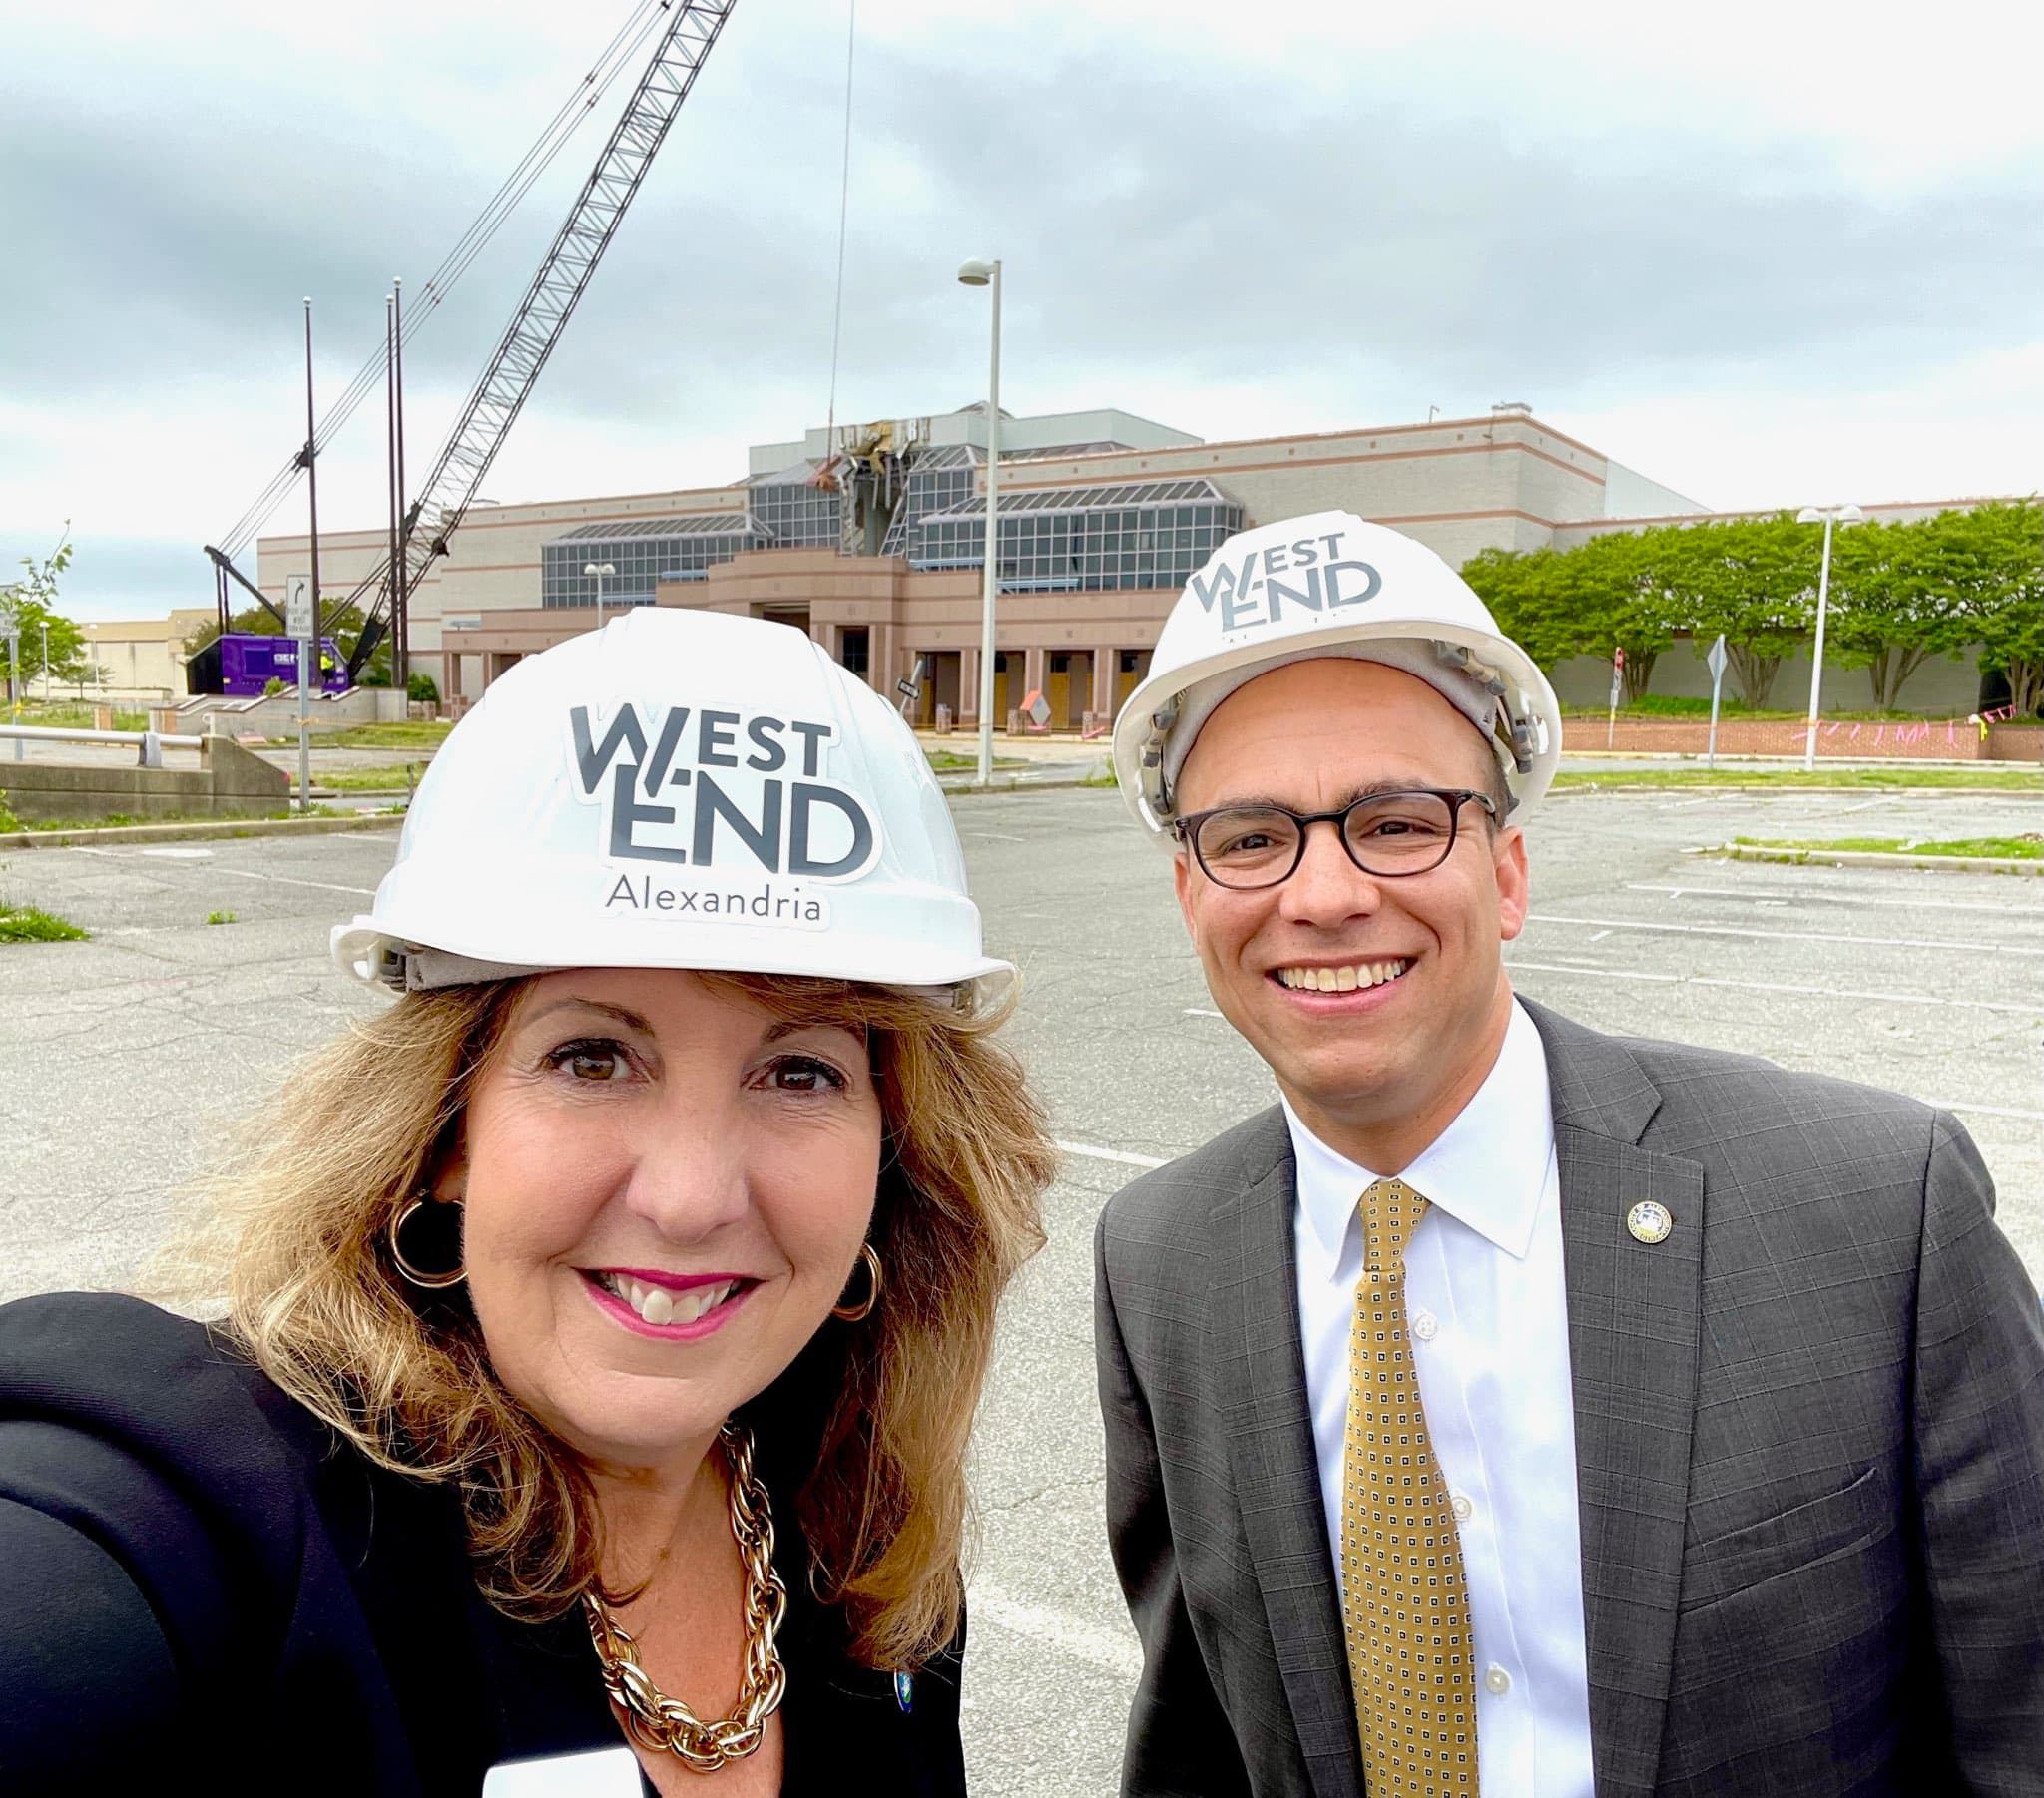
x=1334 y=219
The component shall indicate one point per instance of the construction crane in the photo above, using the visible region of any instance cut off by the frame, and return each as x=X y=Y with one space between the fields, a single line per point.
x=685 y=42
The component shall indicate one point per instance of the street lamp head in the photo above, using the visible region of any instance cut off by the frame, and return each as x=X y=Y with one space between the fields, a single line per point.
x=976 y=274
x=1815 y=515
x=598 y=567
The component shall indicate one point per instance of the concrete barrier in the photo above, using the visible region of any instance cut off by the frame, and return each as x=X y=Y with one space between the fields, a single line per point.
x=229 y=783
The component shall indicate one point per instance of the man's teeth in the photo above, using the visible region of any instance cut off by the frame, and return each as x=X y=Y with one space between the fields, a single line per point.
x=1343 y=980
x=657 y=1304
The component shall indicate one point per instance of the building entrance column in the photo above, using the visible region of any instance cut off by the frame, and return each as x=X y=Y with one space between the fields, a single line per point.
x=1034 y=673
x=1105 y=661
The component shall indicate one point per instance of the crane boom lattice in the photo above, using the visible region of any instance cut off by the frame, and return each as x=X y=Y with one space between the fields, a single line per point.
x=564 y=275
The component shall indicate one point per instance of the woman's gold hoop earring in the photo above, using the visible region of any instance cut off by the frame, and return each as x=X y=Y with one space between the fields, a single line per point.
x=874 y=1280
x=430 y=1282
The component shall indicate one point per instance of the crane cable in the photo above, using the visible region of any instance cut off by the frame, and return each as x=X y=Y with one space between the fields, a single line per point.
x=617 y=56
x=843 y=213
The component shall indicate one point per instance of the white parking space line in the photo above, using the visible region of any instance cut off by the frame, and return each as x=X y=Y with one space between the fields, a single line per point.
x=1121 y=1158
x=325 y=886
x=1057 y=1629
x=992 y=836
x=1823 y=896
x=1685 y=805
x=1200 y=1011
x=2035 y=1010
x=1786 y=936
x=1845 y=812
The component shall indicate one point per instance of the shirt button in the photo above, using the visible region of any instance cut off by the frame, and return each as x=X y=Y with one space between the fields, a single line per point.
x=1426 y=1325
x=1461 y=1507
x=1497 y=1680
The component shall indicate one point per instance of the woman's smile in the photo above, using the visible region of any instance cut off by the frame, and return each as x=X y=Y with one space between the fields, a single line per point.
x=671 y=1307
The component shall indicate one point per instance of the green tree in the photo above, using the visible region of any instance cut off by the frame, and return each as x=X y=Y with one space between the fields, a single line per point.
x=31 y=604
x=2004 y=610
x=1751 y=578
x=1897 y=598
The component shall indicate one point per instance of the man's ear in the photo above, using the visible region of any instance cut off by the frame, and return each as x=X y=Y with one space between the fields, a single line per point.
x=1183 y=877
x=1514 y=881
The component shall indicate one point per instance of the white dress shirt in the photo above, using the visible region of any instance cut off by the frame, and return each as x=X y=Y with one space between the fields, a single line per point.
x=1486 y=1306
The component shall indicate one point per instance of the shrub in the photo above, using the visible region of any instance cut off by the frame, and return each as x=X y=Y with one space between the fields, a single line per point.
x=424 y=688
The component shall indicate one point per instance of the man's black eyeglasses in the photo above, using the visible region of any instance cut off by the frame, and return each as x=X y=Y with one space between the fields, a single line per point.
x=1389 y=834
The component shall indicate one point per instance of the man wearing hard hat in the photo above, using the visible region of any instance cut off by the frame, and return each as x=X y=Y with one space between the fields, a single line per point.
x=1513 y=1406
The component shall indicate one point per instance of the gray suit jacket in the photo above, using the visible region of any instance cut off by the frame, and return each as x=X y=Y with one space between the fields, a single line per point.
x=1809 y=1434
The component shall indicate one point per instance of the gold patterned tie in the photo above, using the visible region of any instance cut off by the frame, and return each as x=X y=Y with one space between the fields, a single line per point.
x=1404 y=1606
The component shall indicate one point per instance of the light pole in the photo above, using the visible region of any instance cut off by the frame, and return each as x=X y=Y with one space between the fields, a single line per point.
x=1828 y=516
x=599 y=569
x=984 y=275
x=46 y=662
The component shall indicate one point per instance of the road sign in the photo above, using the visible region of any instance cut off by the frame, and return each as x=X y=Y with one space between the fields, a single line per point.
x=1038 y=708
x=297 y=606
x=1717 y=659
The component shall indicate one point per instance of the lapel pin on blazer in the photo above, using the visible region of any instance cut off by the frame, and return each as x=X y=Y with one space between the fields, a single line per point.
x=1649 y=1223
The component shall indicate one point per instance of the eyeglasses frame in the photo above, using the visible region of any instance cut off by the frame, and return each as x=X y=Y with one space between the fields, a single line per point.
x=1187 y=831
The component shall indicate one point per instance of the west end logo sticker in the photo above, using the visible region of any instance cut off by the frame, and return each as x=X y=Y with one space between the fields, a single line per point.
x=739 y=800
x=1308 y=575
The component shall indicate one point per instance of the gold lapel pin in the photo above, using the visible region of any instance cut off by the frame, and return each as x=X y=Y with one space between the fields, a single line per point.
x=1649 y=1223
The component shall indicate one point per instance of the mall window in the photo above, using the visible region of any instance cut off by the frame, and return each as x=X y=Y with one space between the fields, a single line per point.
x=644 y=552
x=1137 y=534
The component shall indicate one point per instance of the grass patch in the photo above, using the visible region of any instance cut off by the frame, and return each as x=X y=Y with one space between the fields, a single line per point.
x=2028 y=847
x=118 y=819
x=25 y=924
x=408 y=735
x=72 y=715
x=219 y=917
x=946 y=761
x=396 y=776
x=1999 y=779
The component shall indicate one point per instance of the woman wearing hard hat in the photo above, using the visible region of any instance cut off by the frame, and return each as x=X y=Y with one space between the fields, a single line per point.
x=607 y=1314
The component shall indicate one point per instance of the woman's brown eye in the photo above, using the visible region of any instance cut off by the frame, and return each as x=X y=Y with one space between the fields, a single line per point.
x=589 y=1061
x=805 y=1074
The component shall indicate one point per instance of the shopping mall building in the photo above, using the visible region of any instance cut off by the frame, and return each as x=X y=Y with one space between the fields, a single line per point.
x=875 y=544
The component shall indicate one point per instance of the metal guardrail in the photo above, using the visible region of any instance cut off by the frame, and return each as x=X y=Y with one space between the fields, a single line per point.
x=149 y=745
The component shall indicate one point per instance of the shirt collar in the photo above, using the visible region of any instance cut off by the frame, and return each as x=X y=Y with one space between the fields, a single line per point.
x=1488 y=1168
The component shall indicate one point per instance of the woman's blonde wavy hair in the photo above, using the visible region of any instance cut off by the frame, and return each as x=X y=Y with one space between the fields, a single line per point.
x=871 y=1421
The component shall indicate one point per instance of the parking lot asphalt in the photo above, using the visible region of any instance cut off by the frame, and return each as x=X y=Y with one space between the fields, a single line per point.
x=126 y=1059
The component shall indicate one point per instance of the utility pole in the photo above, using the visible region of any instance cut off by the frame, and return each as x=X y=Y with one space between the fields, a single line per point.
x=401 y=619
x=308 y=652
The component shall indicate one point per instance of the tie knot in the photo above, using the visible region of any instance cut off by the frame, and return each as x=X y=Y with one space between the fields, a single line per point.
x=1391 y=1211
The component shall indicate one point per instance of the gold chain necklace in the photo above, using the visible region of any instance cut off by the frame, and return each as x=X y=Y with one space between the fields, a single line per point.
x=666 y=1725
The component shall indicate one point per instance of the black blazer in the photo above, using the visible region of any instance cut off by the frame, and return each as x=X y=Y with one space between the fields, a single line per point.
x=198 y=1579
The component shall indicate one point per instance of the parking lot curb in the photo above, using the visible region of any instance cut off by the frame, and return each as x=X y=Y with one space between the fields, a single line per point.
x=1876 y=858
x=201 y=831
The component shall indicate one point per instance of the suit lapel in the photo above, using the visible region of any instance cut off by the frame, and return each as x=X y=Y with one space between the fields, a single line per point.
x=1632 y=1338
x=1270 y=1445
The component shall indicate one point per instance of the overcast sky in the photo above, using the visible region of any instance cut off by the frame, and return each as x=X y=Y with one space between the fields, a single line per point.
x=1756 y=252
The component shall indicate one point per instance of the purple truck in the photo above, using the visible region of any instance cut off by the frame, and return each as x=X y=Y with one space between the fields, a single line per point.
x=247 y=664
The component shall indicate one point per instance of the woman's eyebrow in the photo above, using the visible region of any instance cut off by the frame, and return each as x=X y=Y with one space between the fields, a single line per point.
x=568 y=1001
x=788 y=1027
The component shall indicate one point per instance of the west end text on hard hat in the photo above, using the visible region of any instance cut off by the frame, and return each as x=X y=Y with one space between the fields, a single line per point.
x=1309 y=574
x=724 y=791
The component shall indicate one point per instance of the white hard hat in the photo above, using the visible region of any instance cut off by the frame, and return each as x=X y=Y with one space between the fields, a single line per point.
x=680 y=789
x=1329 y=583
